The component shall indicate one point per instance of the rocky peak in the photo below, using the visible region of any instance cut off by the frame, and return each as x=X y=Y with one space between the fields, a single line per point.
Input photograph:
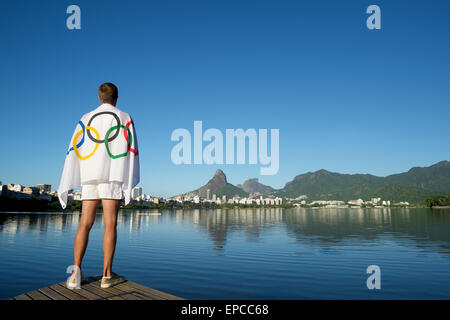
x=219 y=173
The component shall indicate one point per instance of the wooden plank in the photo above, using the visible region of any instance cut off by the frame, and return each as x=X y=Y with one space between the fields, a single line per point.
x=143 y=297
x=122 y=290
x=83 y=292
x=116 y=298
x=22 y=297
x=129 y=289
x=36 y=295
x=161 y=294
x=153 y=292
x=112 y=290
x=70 y=294
x=91 y=290
x=89 y=295
x=125 y=292
x=98 y=291
x=111 y=293
x=52 y=294
x=132 y=296
x=149 y=295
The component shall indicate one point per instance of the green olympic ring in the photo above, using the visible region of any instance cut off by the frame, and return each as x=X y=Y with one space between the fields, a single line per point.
x=106 y=142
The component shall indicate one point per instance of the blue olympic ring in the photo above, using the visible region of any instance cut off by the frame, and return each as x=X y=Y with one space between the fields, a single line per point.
x=82 y=139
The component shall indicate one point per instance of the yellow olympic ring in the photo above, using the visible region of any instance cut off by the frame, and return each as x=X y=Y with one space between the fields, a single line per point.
x=74 y=143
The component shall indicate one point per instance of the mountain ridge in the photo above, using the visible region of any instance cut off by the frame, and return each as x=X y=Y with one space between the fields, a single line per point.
x=219 y=186
x=414 y=185
x=254 y=186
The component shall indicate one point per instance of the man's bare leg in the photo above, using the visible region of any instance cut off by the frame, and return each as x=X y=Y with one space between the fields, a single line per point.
x=88 y=210
x=110 y=210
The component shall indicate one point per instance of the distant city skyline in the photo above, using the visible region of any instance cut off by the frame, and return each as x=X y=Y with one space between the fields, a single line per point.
x=344 y=98
x=139 y=193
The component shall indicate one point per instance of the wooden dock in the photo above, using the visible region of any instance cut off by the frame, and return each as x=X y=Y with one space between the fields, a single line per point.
x=90 y=290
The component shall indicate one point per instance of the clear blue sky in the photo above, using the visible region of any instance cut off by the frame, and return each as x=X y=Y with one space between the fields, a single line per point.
x=345 y=98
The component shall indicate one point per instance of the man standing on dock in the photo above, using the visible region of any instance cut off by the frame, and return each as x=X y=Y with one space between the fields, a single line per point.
x=103 y=159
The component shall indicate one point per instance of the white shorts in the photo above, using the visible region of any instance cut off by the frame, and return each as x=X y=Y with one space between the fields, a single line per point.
x=109 y=190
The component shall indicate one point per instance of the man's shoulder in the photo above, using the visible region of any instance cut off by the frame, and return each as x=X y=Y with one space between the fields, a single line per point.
x=125 y=114
x=122 y=114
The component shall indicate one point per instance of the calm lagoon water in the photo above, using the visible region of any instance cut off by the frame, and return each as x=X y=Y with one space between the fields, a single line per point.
x=242 y=253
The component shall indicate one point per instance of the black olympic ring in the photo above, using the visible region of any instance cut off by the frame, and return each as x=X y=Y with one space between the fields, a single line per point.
x=115 y=134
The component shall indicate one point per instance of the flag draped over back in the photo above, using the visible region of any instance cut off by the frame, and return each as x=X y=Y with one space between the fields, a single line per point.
x=103 y=149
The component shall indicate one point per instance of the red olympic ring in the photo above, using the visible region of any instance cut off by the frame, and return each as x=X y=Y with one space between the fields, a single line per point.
x=125 y=133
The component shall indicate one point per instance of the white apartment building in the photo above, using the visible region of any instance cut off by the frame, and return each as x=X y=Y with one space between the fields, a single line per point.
x=375 y=201
x=136 y=193
x=15 y=187
x=44 y=188
x=356 y=202
x=77 y=195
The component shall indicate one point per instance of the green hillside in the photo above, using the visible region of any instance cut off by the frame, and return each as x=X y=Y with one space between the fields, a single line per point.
x=435 y=177
x=230 y=191
x=325 y=185
x=397 y=193
x=414 y=186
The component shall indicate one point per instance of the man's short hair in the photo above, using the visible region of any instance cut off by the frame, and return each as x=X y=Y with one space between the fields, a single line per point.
x=108 y=92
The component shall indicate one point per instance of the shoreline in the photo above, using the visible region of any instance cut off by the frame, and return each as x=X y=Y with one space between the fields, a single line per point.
x=159 y=211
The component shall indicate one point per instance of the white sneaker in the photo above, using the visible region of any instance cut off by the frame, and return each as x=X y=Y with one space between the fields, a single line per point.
x=74 y=282
x=111 y=281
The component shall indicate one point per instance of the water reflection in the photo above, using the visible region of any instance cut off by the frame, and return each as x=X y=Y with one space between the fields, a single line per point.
x=310 y=226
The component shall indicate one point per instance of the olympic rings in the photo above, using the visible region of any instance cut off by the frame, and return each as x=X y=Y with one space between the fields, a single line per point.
x=126 y=138
x=75 y=148
x=127 y=134
x=115 y=134
x=107 y=141
x=82 y=139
